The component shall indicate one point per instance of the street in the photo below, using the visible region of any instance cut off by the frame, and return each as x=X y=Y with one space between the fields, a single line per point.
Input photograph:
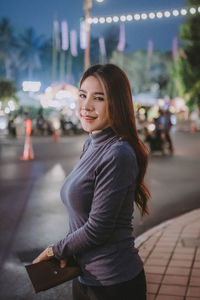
x=32 y=215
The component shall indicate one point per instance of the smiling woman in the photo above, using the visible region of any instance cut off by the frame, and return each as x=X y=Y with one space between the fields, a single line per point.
x=101 y=190
x=93 y=105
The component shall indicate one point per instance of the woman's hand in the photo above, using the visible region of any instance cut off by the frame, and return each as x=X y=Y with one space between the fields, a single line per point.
x=44 y=256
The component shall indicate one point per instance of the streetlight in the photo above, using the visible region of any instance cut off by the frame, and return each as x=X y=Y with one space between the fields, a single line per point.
x=87 y=5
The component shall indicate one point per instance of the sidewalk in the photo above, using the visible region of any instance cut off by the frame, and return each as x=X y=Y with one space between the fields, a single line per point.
x=171 y=255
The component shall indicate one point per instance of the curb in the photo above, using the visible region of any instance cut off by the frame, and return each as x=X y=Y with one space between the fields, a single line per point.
x=147 y=234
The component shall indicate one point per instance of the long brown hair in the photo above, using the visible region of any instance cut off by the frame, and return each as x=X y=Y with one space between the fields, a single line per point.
x=122 y=121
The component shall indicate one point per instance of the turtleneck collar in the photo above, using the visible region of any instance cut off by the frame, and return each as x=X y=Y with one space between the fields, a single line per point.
x=102 y=136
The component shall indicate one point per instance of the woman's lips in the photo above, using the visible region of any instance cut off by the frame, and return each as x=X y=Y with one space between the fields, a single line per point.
x=88 y=118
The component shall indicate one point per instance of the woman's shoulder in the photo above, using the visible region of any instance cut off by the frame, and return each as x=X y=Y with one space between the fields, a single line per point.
x=121 y=150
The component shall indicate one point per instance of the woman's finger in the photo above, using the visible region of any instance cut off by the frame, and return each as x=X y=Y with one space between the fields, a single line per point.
x=63 y=263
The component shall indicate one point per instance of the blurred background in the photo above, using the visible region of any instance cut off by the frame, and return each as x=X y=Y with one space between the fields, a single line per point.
x=44 y=48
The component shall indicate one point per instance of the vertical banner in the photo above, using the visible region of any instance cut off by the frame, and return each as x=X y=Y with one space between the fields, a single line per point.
x=102 y=46
x=122 y=39
x=73 y=42
x=102 y=50
x=83 y=35
x=56 y=35
x=175 y=48
x=54 y=50
x=65 y=39
x=150 y=48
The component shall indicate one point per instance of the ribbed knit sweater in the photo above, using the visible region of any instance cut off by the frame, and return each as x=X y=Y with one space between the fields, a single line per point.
x=99 y=196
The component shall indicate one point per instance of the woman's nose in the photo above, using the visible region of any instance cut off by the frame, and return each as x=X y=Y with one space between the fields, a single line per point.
x=87 y=105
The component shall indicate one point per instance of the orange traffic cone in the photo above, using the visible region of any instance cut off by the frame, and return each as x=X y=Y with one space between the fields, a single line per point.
x=193 y=127
x=28 y=149
x=55 y=135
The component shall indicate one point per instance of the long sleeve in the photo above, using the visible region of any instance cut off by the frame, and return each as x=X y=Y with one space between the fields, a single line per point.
x=113 y=178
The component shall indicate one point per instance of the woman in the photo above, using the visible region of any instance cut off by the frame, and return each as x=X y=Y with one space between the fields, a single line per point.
x=101 y=190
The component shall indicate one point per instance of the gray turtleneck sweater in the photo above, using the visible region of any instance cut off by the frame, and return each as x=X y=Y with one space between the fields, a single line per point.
x=99 y=196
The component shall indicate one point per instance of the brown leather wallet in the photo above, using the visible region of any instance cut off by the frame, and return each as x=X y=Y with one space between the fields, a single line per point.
x=47 y=274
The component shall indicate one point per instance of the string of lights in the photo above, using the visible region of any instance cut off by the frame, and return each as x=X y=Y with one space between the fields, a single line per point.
x=145 y=16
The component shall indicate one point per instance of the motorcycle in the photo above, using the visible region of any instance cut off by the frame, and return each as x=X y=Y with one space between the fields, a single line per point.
x=155 y=139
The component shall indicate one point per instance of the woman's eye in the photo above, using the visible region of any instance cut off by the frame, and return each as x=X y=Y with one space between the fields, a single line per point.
x=82 y=96
x=99 y=98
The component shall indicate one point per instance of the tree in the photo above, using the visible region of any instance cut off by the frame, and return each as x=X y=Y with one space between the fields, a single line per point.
x=146 y=73
x=188 y=64
x=31 y=47
x=7 y=91
x=7 y=46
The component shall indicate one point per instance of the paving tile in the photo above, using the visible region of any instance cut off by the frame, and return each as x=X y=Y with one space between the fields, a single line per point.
x=151 y=296
x=182 y=256
x=152 y=288
x=166 y=297
x=173 y=290
x=175 y=279
x=196 y=272
x=156 y=262
x=164 y=249
x=157 y=254
x=196 y=264
x=155 y=269
x=153 y=278
x=192 y=298
x=182 y=250
x=193 y=291
x=194 y=281
x=180 y=263
x=197 y=256
x=178 y=271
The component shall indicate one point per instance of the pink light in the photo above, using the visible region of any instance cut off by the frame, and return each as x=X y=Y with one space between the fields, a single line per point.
x=150 y=48
x=175 y=48
x=121 y=44
x=102 y=46
x=65 y=39
x=73 y=42
x=56 y=34
x=83 y=35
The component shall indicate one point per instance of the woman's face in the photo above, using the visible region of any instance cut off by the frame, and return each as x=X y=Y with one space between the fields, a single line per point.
x=92 y=105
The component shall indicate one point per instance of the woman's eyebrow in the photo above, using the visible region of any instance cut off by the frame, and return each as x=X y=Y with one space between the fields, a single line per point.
x=99 y=93
x=96 y=93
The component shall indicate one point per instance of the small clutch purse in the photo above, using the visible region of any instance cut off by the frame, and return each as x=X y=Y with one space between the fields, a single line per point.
x=47 y=274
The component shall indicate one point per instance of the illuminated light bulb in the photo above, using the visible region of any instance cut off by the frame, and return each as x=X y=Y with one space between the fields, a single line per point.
x=175 y=12
x=199 y=9
x=167 y=14
x=95 y=20
x=192 y=10
x=115 y=19
x=109 y=20
x=7 y=110
x=159 y=15
x=152 y=15
x=100 y=1
x=123 y=18
x=183 y=12
x=102 y=20
x=90 y=20
x=144 y=16
x=137 y=17
x=129 y=18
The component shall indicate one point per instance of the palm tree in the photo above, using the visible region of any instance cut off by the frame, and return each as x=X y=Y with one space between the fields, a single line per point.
x=7 y=45
x=31 y=47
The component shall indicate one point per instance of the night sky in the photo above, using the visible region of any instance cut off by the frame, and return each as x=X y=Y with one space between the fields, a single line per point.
x=39 y=14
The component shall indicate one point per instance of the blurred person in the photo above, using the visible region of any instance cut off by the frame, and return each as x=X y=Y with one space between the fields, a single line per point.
x=168 y=125
x=101 y=190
